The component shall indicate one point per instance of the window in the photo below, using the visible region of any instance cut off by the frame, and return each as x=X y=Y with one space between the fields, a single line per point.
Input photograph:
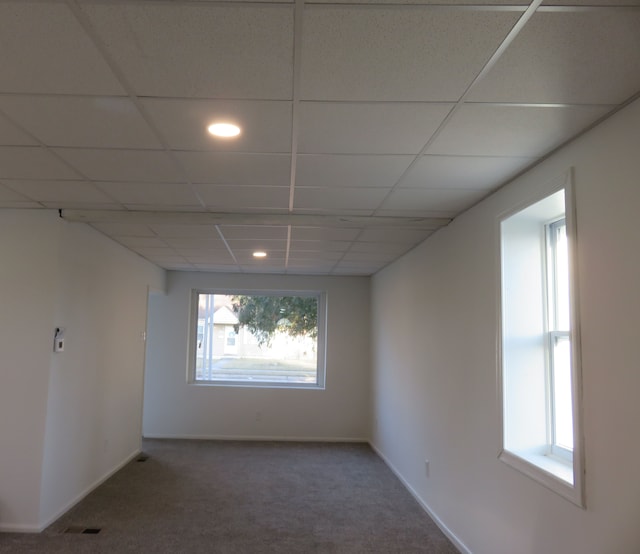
x=272 y=339
x=540 y=373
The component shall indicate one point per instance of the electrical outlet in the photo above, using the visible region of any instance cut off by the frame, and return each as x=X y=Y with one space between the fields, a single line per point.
x=426 y=468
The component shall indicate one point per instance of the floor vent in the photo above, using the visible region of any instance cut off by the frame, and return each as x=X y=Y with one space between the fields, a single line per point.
x=77 y=530
x=142 y=458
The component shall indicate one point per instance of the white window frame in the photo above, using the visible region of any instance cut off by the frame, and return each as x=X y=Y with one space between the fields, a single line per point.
x=533 y=452
x=321 y=297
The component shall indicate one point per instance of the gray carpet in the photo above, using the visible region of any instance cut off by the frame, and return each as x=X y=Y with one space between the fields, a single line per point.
x=237 y=497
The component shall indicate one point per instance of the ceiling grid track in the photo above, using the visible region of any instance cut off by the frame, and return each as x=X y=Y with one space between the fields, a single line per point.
x=513 y=33
x=84 y=22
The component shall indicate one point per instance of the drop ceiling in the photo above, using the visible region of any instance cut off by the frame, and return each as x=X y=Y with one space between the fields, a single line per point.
x=366 y=125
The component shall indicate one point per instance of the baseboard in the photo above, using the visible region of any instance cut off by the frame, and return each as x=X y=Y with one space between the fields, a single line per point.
x=270 y=438
x=19 y=528
x=86 y=491
x=450 y=535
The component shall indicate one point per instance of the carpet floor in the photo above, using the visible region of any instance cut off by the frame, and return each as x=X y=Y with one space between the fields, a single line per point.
x=244 y=497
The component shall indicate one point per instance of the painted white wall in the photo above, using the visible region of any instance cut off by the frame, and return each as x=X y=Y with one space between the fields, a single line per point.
x=173 y=408
x=434 y=364
x=94 y=410
x=68 y=419
x=28 y=282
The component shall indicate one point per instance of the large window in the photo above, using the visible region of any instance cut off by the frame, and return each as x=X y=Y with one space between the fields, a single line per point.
x=540 y=371
x=264 y=339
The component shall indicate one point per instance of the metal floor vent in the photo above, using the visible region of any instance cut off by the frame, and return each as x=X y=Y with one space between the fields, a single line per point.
x=78 y=530
x=142 y=458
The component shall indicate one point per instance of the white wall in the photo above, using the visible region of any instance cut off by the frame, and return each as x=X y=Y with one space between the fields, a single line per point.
x=67 y=420
x=28 y=282
x=434 y=364
x=174 y=408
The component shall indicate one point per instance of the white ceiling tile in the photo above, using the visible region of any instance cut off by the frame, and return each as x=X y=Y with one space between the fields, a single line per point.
x=72 y=205
x=395 y=248
x=301 y=257
x=350 y=171
x=430 y=200
x=156 y=252
x=9 y=195
x=575 y=57
x=323 y=233
x=239 y=199
x=12 y=135
x=206 y=241
x=382 y=257
x=367 y=128
x=149 y=166
x=412 y=236
x=199 y=50
x=427 y=2
x=357 y=53
x=100 y=122
x=473 y=172
x=257 y=243
x=209 y=257
x=172 y=230
x=32 y=162
x=171 y=194
x=265 y=125
x=226 y=168
x=177 y=266
x=60 y=191
x=320 y=245
x=274 y=270
x=142 y=242
x=45 y=50
x=124 y=229
x=338 y=199
x=483 y=130
x=267 y=232
x=591 y=2
x=163 y=208
x=218 y=268
x=274 y=257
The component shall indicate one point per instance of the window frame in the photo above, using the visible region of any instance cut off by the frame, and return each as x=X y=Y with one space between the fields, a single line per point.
x=549 y=466
x=321 y=297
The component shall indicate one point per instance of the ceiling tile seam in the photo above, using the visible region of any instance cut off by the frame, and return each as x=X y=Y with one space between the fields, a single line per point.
x=50 y=150
x=26 y=197
x=546 y=105
x=288 y=247
x=93 y=36
x=224 y=240
x=568 y=8
x=419 y=6
x=489 y=64
x=298 y=19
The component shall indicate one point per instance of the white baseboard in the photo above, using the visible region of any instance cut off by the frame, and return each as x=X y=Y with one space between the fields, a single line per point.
x=18 y=528
x=450 y=535
x=86 y=491
x=270 y=438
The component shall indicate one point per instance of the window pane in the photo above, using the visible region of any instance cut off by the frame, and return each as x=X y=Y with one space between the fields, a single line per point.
x=257 y=339
x=563 y=420
x=562 y=278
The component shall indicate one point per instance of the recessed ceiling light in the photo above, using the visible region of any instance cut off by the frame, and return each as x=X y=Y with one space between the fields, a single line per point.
x=224 y=130
x=259 y=254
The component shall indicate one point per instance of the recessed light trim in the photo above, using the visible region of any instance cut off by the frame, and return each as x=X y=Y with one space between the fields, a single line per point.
x=224 y=130
x=259 y=254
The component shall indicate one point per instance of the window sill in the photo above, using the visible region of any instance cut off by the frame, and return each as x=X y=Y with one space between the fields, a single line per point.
x=554 y=473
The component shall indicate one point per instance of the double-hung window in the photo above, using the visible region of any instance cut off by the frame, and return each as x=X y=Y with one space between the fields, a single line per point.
x=540 y=355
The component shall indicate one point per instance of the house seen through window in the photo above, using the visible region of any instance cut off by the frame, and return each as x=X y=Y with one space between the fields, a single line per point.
x=258 y=340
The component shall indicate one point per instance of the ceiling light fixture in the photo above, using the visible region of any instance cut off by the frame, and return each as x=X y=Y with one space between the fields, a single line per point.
x=259 y=254
x=224 y=130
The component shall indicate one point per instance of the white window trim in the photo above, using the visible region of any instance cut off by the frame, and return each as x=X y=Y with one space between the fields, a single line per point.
x=321 y=339
x=553 y=472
